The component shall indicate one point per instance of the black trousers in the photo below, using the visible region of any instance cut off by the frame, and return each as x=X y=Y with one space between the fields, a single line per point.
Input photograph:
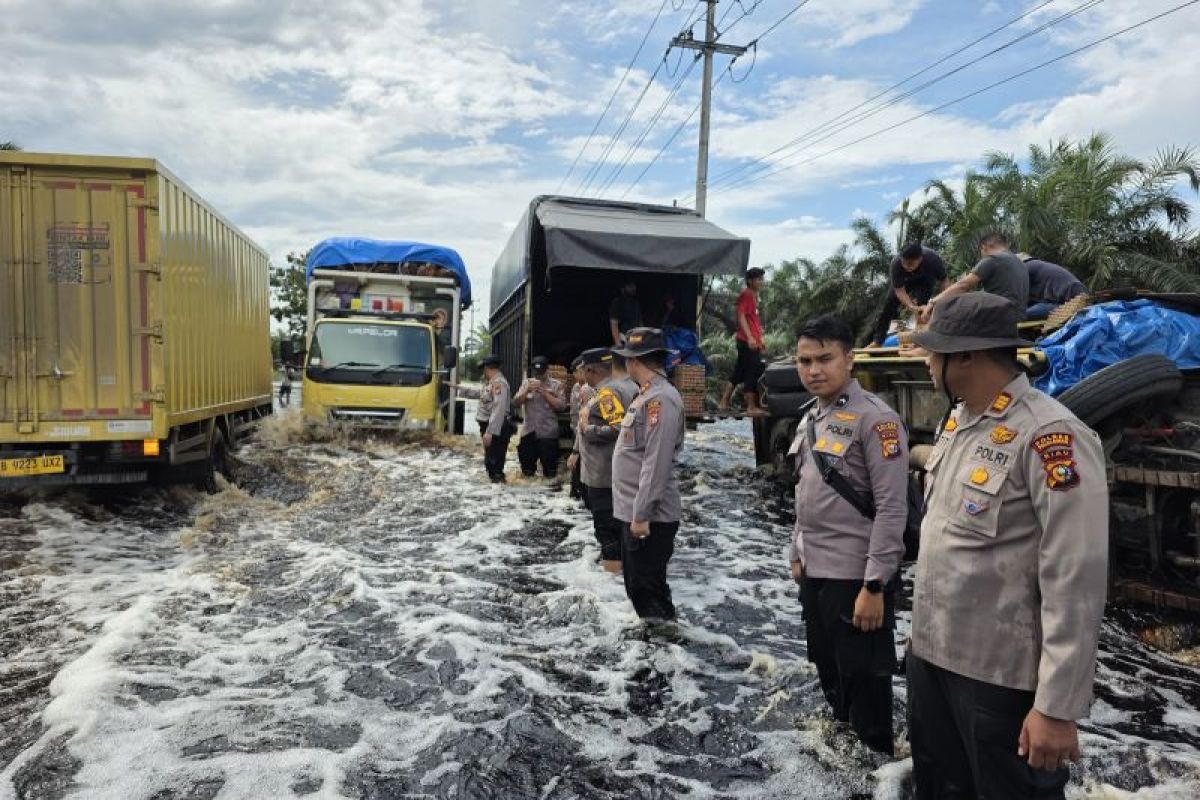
x=578 y=488
x=532 y=449
x=644 y=568
x=496 y=454
x=749 y=368
x=920 y=294
x=608 y=530
x=964 y=736
x=855 y=667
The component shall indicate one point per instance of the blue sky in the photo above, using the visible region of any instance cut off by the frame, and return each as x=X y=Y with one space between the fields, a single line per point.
x=441 y=120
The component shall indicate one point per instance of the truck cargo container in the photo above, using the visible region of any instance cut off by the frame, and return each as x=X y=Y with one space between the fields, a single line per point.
x=134 y=324
x=554 y=281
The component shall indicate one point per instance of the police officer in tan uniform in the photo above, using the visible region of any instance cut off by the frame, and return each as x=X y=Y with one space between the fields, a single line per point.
x=851 y=508
x=581 y=392
x=597 y=429
x=495 y=425
x=543 y=397
x=1012 y=573
x=645 y=489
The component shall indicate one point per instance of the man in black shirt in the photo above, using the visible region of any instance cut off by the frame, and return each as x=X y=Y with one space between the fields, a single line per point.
x=1049 y=286
x=917 y=274
x=625 y=312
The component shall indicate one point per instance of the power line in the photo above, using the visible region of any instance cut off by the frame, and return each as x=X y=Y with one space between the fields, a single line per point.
x=975 y=93
x=897 y=85
x=783 y=19
x=835 y=125
x=613 y=96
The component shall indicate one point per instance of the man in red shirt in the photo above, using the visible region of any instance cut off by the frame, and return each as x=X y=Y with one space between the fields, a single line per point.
x=750 y=347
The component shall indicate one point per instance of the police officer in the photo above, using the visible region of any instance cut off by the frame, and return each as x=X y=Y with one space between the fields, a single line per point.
x=543 y=397
x=851 y=510
x=645 y=489
x=1011 y=579
x=599 y=425
x=581 y=392
x=493 y=416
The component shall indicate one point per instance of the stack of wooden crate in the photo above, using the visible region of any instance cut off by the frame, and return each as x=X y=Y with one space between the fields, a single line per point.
x=689 y=380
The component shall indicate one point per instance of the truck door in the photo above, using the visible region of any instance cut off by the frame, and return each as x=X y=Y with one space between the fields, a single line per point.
x=76 y=279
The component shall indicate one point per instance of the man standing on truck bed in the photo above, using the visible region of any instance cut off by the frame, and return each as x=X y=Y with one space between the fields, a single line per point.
x=917 y=274
x=645 y=490
x=851 y=511
x=998 y=272
x=493 y=416
x=543 y=397
x=624 y=313
x=1049 y=286
x=750 y=347
x=1012 y=575
x=599 y=425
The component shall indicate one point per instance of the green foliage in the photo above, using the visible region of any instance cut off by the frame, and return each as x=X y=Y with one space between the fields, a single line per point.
x=289 y=296
x=477 y=345
x=9 y=146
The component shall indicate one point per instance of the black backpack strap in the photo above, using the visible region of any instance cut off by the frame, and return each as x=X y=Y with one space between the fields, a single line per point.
x=835 y=479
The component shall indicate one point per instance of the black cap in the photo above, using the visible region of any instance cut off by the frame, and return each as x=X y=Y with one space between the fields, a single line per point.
x=975 y=321
x=597 y=355
x=490 y=360
x=642 y=341
x=539 y=363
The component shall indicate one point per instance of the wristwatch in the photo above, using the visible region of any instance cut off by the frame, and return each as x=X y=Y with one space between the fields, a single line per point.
x=874 y=587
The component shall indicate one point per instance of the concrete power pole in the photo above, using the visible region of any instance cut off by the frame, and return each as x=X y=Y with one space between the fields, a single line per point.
x=709 y=47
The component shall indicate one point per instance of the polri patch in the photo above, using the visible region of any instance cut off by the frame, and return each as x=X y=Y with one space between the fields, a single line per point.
x=889 y=438
x=1001 y=403
x=1057 y=451
x=1002 y=435
x=611 y=409
x=653 y=410
x=974 y=507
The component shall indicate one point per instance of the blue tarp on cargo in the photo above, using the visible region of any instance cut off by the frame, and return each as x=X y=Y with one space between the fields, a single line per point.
x=342 y=251
x=684 y=346
x=1102 y=335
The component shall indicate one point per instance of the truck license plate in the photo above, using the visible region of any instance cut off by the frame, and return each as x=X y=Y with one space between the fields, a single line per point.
x=37 y=465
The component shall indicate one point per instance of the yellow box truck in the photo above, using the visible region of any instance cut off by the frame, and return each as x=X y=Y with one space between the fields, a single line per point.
x=134 y=324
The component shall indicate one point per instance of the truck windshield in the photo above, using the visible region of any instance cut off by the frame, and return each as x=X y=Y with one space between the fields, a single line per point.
x=369 y=347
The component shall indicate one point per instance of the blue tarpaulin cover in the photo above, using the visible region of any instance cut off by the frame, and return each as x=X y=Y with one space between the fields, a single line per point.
x=1102 y=335
x=685 y=347
x=342 y=251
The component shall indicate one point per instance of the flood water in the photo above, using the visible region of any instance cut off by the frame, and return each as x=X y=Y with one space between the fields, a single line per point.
x=375 y=620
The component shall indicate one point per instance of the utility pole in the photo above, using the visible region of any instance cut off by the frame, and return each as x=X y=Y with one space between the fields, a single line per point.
x=708 y=47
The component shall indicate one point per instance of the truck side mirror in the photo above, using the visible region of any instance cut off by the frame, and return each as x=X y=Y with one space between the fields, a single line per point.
x=450 y=357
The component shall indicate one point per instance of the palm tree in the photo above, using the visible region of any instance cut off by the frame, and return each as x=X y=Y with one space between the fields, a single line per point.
x=9 y=146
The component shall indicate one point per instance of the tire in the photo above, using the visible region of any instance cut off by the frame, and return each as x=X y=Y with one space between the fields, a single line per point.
x=1122 y=385
x=217 y=461
x=780 y=441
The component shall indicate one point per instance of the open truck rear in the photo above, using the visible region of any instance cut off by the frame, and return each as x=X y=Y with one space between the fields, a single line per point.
x=567 y=257
x=134 y=324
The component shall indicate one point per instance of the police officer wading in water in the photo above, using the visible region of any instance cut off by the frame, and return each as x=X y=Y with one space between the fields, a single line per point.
x=599 y=425
x=495 y=426
x=1011 y=577
x=645 y=490
x=844 y=560
x=543 y=397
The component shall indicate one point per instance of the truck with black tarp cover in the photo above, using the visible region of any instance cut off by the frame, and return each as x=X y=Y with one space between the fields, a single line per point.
x=566 y=259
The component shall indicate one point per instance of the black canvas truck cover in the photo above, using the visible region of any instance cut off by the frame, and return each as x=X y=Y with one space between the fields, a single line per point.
x=604 y=234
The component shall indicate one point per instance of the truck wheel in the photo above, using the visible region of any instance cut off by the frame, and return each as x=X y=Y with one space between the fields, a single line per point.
x=1121 y=385
x=780 y=439
x=217 y=461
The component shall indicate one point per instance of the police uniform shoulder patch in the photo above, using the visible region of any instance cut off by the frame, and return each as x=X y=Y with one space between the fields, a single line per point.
x=1001 y=403
x=889 y=438
x=496 y=388
x=1057 y=451
x=610 y=406
x=653 y=411
x=1002 y=435
x=951 y=425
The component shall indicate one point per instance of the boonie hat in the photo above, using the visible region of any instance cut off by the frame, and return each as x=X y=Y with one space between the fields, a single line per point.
x=491 y=360
x=641 y=341
x=975 y=321
x=597 y=355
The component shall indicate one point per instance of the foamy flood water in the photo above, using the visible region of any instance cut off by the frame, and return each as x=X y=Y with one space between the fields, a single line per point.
x=377 y=621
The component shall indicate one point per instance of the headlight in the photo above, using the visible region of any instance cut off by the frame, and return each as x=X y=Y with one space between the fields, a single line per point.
x=420 y=425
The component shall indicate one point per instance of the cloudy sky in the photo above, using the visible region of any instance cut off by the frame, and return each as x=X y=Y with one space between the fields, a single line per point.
x=439 y=120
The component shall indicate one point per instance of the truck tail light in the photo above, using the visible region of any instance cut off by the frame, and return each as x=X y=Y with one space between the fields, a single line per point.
x=150 y=447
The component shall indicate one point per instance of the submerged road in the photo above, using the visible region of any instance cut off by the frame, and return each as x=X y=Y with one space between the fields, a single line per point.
x=374 y=620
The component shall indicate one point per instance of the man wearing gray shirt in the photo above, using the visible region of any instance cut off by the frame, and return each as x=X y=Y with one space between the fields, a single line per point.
x=645 y=488
x=998 y=272
x=1049 y=286
x=851 y=510
x=598 y=426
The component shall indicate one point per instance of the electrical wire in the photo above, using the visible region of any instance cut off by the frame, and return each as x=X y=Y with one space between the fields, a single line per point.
x=968 y=96
x=612 y=97
x=840 y=123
